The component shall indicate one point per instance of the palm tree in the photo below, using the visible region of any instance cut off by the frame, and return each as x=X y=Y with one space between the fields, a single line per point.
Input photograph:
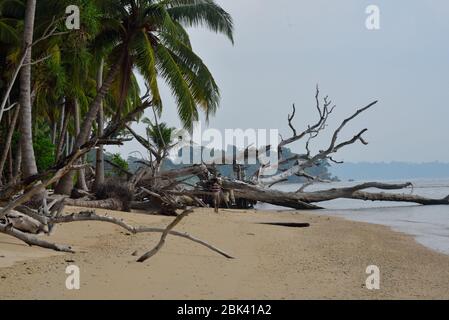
x=150 y=35
x=160 y=142
x=99 y=163
x=10 y=14
x=29 y=166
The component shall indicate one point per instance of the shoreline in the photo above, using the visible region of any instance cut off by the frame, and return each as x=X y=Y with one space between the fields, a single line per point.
x=326 y=260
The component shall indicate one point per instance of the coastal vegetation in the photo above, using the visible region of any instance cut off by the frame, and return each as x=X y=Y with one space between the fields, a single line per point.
x=67 y=93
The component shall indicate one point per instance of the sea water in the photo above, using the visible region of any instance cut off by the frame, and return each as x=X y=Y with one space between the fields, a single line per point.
x=428 y=224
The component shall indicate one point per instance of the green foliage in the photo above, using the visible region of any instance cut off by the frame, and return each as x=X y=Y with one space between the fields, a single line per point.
x=120 y=162
x=44 y=150
x=160 y=135
x=151 y=37
x=148 y=37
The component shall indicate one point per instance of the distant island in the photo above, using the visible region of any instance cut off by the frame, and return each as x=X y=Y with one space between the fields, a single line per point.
x=390 y=170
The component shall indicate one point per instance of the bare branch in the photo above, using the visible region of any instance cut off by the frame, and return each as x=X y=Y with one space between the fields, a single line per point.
x=323 y=154
x=38 y=60
x=91 y=216
x=167 y=230
x=32 y=240
x=290 y=118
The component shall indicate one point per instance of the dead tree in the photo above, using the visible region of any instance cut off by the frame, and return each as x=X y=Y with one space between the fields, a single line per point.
x=258 y=188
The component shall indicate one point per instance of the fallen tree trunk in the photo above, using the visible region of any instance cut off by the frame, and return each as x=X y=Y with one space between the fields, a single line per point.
x=306 y=200
x=25 y=223
x=195 y=170
x=110 y=204
x=151 y=208
x=368 y=196
x=275 y=197
x=347 y=192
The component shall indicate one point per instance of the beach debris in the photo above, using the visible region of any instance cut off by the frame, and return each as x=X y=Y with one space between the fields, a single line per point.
x=172 y=193
x=287 y=224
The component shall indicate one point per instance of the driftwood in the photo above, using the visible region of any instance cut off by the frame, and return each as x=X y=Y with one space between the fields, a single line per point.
x=368 y=196
x=40 y=187
x=25 y=223
x=308 y=200
x=18 y=194
x=110 y=204
x=259 y=187
x=161 y=242
x=194 y=170
x=32 y=240
x=275 y=197
x=151 y=207
x=22 y=227
x=91 y=216
x=165 y=192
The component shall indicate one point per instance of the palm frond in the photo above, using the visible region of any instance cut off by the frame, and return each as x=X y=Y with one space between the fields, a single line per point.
x=206 y=13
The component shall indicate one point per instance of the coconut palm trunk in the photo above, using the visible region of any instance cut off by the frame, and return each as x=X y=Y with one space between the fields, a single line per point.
x=29 y=166
x=81 y=182
x=65 y=185
x=7 y=144
x=99 y=165
x=17 y=164
x=62 y=133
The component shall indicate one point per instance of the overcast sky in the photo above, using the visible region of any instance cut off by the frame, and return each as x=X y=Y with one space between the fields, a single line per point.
x=283 y=48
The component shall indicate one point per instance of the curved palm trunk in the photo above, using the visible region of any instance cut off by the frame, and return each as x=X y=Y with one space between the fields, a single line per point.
x=17 y=164
x=7 y=144
x=99 y=165
x=29 y=167
x=62 y=133
x=81 y=182
x=10 y=166
x=65 y=185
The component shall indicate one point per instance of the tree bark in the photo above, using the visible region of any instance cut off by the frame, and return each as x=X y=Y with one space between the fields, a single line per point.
x=306 y=200
x=81 y=182
x=29 y=167
x=32 y=240
x=275 y=197
x=10 y=166
x=64 y=122
x=99 y=163
x=369 y=196
x=7 y=143
x=17 y=164
x=111 y=204
x=164 y=235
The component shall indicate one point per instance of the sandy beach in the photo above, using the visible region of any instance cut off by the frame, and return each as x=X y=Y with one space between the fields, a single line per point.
x=326 y=260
